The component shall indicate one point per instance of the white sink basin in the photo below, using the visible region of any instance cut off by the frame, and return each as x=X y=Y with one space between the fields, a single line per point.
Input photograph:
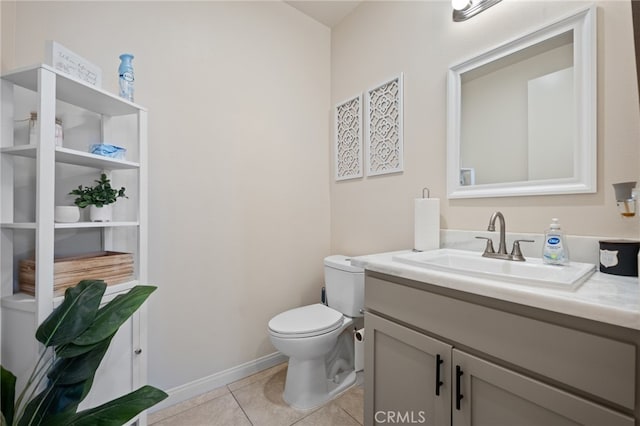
x=531 y=272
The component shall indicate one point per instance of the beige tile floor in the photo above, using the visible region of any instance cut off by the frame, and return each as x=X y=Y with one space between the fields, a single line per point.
x=257 y=400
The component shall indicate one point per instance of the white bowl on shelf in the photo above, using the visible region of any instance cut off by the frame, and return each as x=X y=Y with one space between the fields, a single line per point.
x=66 y=214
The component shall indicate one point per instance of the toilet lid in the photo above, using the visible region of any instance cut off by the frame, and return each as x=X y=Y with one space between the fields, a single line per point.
x=307 y=320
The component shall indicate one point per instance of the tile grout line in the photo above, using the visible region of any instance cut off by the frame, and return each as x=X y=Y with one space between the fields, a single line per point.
x=227 y=387
x=187 y=409
x=296 y=421
x=171 y=416
x=349 y=414
x=168 y=417
x=312 y=411
x=240 y=405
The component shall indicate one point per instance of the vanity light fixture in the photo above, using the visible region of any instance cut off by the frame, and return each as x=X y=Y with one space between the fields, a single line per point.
x=465 y=9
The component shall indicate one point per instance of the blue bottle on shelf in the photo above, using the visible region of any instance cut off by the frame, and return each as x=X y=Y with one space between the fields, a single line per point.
x=126 y=76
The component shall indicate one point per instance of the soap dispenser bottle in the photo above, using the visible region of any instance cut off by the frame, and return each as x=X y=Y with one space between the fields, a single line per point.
x=555 y=250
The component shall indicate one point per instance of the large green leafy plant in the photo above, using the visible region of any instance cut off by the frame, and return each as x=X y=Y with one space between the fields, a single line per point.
x=99 y=195
x=79 y=332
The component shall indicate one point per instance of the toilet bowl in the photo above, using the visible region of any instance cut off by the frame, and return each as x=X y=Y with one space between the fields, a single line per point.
x=309 y=383
x=318 y=339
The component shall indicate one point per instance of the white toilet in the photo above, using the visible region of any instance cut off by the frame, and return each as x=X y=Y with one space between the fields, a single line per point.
x=318 y=339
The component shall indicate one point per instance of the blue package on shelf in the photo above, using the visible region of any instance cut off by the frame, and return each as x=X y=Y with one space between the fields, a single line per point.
x=107 y=150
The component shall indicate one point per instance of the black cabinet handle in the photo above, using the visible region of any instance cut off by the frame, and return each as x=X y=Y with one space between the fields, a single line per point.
x=439 y=382
x=459 y=395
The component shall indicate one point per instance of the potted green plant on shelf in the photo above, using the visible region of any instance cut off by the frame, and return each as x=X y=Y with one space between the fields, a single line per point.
x=99 y=198
x=79 y=332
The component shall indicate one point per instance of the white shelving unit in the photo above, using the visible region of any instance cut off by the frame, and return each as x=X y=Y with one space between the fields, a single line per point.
x=48 y=174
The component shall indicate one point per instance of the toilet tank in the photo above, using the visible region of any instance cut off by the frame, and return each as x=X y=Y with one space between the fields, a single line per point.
x=344 y=285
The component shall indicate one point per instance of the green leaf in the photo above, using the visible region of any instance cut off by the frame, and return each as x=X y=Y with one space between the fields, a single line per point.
x=7 y=394
x=74 y=315
x=69 y=350
x=54 y=400
x=67 y=398
x=35 y=409
x=3 y=422
x=113 y=413
x=111 y=316
x=68 y=371
x=69 y=383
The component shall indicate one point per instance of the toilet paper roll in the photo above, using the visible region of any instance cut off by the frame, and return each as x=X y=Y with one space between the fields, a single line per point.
x=426 y=223
x=358 y=343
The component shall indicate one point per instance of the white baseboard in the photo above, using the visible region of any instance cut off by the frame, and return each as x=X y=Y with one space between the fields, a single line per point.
x=209 y=383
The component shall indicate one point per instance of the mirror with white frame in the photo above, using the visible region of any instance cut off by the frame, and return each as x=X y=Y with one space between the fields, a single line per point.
x=521 y=118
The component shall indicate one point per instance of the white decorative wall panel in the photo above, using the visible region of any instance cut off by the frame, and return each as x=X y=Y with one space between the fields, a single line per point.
x=348 y=139
x=384 y=128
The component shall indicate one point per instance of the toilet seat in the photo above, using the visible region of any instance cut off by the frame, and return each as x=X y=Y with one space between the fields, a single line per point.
x=306 y=321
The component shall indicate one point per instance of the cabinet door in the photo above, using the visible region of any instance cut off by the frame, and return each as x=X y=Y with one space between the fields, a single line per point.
x=486 y=394
x=407 y=375
x=119 y=371
x=114 y=377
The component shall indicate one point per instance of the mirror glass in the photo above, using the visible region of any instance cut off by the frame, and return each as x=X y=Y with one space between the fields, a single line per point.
x=521 y=117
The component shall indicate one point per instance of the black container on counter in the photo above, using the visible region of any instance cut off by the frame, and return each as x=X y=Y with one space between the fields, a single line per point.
x=619 y=257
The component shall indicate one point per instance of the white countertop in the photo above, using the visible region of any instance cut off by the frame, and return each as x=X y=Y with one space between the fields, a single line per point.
x=606 y=298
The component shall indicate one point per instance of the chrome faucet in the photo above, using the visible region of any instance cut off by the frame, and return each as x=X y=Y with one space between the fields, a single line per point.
x=502 y=246
x=489 y=251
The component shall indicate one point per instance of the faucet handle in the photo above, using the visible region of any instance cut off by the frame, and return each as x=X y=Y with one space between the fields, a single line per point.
x=516 y=254
x=489 y=247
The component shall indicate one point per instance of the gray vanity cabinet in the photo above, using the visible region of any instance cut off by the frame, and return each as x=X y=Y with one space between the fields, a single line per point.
x=502 y=364
x=411 y=372
x=496 y=396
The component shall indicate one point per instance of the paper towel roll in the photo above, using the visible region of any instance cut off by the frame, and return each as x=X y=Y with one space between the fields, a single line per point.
x=426 y=221
x=358 y=343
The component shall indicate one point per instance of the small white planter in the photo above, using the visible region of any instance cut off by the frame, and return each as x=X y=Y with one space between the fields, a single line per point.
x=101 y=214
x=66 y=214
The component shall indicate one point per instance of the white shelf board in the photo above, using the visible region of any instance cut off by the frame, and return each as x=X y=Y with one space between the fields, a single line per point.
x=21 y=150
x=19 y=302
x=27 y=303
x=19 y=225
x=74 y=157
x=79 y=158
x=74 y=225
x=75 y=92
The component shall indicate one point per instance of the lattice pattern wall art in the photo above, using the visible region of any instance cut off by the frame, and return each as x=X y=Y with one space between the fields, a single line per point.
x=348 y=139
x=384 y=128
